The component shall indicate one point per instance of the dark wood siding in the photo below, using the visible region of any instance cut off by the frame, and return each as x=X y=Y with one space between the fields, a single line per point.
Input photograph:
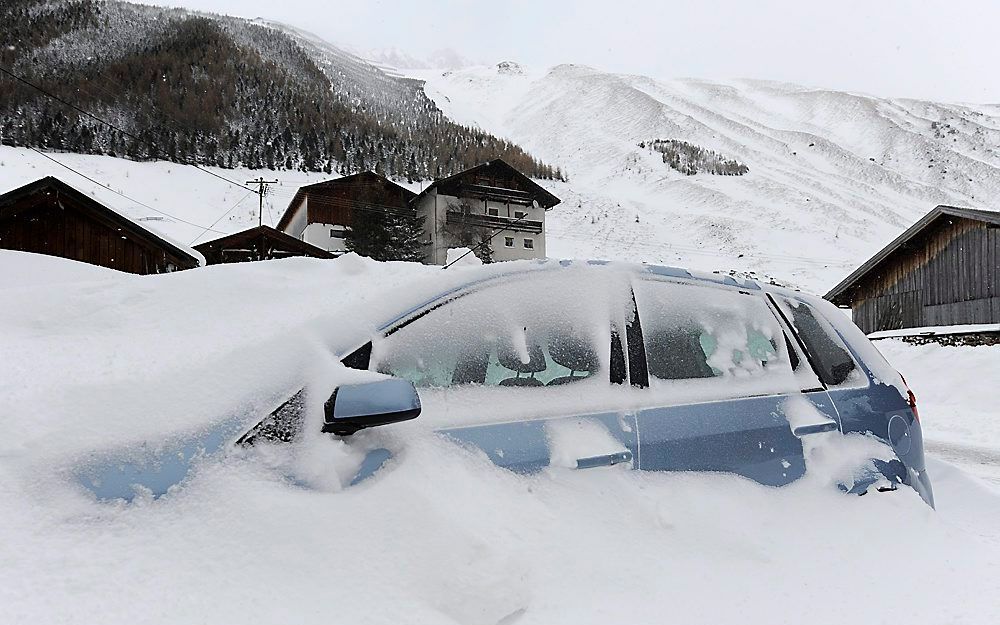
x=260 y=243
x=57 y=224
x=948 y=275
x=334 y=203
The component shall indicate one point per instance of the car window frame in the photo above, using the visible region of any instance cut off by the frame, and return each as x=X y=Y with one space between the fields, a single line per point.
x=617 y=371
x=762 y=296
x=863 y=381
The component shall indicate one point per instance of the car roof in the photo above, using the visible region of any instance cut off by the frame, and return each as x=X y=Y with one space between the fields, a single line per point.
x=464 y=277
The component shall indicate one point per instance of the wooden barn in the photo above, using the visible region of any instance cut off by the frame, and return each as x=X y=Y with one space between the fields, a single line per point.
x=944 y=270
x=50 y=217
x=260 y=243
x=321 y=213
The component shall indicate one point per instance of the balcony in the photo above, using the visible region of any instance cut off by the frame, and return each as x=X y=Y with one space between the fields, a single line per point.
x=497 y=194
x=493 y=222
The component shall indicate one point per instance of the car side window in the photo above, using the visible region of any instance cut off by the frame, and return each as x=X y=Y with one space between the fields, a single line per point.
x=830 y=357
x=695 y=332
x=530 y=332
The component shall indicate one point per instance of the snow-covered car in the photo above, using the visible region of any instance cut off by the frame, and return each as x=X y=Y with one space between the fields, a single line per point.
x=593 y=364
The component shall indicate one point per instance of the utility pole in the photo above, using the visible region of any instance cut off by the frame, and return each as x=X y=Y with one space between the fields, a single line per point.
x=261 y=190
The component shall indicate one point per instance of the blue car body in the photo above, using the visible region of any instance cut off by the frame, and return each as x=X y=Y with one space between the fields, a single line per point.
x=620 y=396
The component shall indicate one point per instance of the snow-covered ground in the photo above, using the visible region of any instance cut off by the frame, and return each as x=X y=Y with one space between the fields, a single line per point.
x=440 y=535
x=957 y=390
x=89 y=357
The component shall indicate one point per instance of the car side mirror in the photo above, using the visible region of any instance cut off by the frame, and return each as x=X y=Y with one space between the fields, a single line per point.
x=353 y=407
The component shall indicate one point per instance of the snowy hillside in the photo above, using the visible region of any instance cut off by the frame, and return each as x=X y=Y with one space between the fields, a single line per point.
x=178 y=201
x=833 y=176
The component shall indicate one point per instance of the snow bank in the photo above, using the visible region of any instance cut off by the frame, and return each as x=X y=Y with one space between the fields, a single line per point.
x=971 y=328
x=956 y=389
x=440 y=535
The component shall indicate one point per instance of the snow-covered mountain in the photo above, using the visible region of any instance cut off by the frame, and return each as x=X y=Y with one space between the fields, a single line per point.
x=832 y=175
x=222 y=91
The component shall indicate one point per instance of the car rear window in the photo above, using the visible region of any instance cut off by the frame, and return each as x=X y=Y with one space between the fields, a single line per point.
x=833 y=363
x=693 y=332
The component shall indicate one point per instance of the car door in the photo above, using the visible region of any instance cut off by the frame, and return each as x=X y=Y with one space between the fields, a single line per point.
x=528 y=368
x=727 y=383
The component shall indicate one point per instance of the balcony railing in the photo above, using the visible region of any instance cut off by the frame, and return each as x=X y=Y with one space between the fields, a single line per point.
x=494 y=222
x=497 y=194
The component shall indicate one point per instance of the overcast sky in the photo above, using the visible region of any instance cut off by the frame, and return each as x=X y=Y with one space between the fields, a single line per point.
x=946 y=50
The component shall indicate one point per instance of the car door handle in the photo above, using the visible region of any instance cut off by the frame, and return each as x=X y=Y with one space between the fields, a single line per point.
x=814 y=428
x=604 y=461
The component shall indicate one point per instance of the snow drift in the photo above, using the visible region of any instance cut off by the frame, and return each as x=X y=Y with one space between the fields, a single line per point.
x=440 y=535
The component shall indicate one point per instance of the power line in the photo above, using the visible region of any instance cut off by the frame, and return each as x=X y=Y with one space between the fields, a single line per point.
x=130 y=199
x=262 y=188
x=238 y=202
x=487 y=240
x=82 y=111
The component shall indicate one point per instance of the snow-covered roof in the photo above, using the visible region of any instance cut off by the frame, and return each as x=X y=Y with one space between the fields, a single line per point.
x=836 y=294
x=11 y=198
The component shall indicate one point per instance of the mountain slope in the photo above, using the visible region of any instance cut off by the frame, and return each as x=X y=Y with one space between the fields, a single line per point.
x=832 y=176
x=219 y=91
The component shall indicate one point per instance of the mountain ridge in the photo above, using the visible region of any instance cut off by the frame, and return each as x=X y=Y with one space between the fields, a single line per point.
x=221 y=91
x=832 y=176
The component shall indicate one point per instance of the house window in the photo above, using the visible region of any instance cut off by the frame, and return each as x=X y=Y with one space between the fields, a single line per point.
x=495 y=212
x=520 y=214
x=508 y=241
x=337 y=234
x=529 y=244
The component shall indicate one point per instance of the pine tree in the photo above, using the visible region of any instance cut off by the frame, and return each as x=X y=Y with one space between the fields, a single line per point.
x=384 y=235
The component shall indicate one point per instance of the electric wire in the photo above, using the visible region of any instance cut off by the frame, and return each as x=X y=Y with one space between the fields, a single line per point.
x=82 y=111
x=231 y=208
x=130 y=199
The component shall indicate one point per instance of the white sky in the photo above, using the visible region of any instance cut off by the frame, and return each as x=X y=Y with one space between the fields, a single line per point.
x=944 y=50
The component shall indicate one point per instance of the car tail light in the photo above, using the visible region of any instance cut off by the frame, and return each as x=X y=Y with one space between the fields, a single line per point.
x=911 y=399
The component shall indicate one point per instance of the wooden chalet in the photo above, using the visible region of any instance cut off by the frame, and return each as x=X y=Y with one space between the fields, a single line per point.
x=50 y=217
x=944 y=270
x=260 y=243
x=321 y=213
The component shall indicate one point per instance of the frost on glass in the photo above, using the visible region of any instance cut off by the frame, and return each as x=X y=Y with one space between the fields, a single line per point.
x=526 y=332
x=881 y=370
x=704 y=342
x=834 y=363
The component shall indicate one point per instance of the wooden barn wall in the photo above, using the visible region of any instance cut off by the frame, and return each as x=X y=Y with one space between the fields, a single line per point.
x=333 y=205
x=48 y=228
x=949 y=276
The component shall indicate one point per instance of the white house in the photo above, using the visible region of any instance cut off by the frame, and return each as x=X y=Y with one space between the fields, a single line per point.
x=492 y=199
x=490 y=207
x=321 y=213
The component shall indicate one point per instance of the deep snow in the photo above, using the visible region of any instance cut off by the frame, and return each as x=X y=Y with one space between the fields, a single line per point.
x=440 y=535
x=91 y=359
